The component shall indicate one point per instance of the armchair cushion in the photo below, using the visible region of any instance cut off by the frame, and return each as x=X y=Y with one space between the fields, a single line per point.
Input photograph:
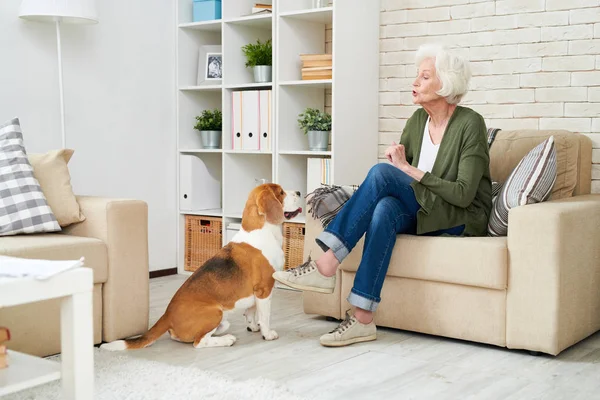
x=471 y=261
x=52 y=246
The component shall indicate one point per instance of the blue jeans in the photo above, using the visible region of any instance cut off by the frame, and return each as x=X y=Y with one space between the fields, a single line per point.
x=383 y=206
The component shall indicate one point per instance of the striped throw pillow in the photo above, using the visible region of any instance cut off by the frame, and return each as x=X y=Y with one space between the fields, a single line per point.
x=530 y=182
x=23 y=207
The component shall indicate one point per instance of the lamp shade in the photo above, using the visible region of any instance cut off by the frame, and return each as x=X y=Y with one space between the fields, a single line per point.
x=68 y=11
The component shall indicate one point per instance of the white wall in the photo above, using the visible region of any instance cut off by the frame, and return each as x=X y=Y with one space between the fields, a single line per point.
x=535 y=62
x=119 y=101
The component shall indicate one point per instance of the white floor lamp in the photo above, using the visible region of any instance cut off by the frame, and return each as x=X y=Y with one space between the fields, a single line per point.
x=60 y=11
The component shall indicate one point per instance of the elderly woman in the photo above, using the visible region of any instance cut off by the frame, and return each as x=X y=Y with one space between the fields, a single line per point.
x=437 y=182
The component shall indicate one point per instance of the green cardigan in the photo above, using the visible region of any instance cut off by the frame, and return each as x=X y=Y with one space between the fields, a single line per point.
x=458 y=191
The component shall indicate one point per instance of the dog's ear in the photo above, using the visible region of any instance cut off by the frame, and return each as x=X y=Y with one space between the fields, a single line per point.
x=269 y=206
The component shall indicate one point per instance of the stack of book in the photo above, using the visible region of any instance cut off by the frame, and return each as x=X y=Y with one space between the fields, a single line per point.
x=4 y=337
x=264 y=8
x=316 y=66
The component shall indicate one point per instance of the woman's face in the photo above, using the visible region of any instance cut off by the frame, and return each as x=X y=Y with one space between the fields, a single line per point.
x=426 y=84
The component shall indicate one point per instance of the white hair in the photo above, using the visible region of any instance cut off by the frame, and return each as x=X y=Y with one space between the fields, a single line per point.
x=453 y=71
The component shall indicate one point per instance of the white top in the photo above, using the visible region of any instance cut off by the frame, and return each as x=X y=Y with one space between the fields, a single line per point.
x=428 y=151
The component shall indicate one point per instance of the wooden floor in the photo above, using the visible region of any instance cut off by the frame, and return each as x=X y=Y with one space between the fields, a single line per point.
x=398 y=365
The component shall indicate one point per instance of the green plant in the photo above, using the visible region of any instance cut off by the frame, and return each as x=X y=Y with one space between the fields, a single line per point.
x=209 y=120
x=259 y=53
x=314 y=120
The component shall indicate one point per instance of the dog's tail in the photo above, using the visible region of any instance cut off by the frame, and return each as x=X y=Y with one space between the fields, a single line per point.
x=160 y=327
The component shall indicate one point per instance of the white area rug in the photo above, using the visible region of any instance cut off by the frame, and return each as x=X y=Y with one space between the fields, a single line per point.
x=121 y=377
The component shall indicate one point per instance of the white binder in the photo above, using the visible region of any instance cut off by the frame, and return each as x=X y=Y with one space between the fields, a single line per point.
x=250 y=120
x=318 y=172
x=236 y=126
x=264 y=109
x=199 y=183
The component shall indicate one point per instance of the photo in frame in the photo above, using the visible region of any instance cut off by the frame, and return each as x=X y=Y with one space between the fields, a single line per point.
x=210 y=65
x=214 y=67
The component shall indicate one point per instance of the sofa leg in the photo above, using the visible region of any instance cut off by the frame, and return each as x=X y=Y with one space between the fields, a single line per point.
x=331 y=319
x=534 y=353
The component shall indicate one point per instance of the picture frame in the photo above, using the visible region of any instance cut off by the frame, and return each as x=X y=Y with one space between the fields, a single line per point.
x=213 y=71
x=204 y=58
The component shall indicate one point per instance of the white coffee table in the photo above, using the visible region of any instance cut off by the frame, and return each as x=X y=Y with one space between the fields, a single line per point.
x=74 y=287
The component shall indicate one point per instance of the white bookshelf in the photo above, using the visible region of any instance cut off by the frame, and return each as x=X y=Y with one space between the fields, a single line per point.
x=295 y=28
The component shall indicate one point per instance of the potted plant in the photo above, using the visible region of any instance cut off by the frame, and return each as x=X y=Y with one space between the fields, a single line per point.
x=259 y=57
x=317 y=126
x=210 y=125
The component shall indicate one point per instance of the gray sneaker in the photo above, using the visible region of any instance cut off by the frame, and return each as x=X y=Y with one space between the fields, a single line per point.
x=350 y=331
x=306 y=277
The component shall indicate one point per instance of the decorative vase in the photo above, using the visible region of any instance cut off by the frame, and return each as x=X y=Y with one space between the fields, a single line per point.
x=211 y=139
x=262 y=73
x=318 y=140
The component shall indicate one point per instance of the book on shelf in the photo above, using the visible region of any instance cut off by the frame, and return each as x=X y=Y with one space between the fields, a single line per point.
x=317 y=73
x=316 y=66
x=316 y=60
x=318 y=172
x=261 y=8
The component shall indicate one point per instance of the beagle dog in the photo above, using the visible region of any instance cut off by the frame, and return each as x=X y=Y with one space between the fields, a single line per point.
x=239 y=276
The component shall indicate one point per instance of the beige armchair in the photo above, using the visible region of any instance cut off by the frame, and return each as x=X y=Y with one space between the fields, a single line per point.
x=537 y=289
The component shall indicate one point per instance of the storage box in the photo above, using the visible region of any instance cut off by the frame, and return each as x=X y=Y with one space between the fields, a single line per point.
x=293 y=244
x=203 y=239
x=206 y=10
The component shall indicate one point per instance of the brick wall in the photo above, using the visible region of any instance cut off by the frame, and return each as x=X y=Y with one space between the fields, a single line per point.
x=535 y=62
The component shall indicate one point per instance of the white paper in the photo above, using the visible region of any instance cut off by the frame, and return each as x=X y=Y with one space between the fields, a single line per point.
x=11 y=267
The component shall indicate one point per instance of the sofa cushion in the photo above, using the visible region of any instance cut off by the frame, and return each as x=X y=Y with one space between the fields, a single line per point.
x=471 y=261
x=52 y=172
x=57 y=246
x=23 y=207
x=509 y=148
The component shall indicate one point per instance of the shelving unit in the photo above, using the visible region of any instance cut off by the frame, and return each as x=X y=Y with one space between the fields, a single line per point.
x=295 y=28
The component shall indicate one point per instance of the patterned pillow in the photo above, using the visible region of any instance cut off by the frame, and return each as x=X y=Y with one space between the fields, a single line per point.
x=23 y=207
x=530 y=182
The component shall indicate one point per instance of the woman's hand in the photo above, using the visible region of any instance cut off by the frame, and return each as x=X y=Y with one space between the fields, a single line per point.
x=397 y=156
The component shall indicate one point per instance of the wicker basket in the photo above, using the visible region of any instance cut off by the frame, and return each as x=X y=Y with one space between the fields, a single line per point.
x=293 y=244
x=203 y=239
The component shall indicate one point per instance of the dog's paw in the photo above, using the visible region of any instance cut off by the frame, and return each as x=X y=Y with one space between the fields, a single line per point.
x=228 y=340
x=271 y=335
x=253 y=327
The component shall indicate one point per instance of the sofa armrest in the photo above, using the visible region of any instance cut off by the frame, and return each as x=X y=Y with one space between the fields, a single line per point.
x=123 y=225
x=553 y=296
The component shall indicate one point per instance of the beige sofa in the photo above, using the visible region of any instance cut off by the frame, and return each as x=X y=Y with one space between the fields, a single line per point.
x=113 y=238
x=536 y=289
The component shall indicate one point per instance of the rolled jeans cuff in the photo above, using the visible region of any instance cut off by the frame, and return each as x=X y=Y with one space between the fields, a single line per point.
x=328 y=241
x=361 y=301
